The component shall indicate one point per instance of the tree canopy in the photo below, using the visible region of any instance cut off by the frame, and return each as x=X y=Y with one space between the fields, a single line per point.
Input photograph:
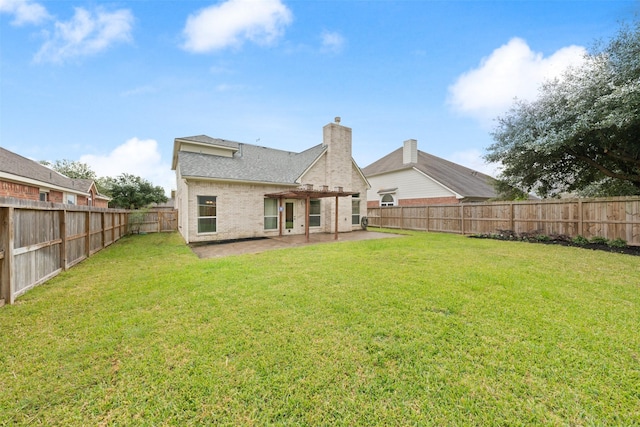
x=133 y=192
x=582 y=133
x=71 y=168
x=126 y=191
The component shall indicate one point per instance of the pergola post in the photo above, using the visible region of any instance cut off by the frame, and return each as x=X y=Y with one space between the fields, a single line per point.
x=280 y=209
x=307 y=193
x=306 y=223
x=336 y=236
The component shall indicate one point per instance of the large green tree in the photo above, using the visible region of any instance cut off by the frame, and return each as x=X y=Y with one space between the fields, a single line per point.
x=582 y=133
x=133 y=192
x=71 y=168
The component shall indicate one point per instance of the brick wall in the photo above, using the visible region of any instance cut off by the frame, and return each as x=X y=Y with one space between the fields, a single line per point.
x=419 y=202
x=19 y=191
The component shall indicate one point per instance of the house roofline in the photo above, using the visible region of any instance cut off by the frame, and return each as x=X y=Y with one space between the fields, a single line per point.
x=237 y=181
x=177 y=142
x=41 y=184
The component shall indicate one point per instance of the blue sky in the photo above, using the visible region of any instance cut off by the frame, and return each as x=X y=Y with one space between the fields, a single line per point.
x=113 y=83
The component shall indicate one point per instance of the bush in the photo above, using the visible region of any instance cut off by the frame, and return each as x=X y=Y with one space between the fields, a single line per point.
x=617 y=243
x=580 y=240
x=599 y=240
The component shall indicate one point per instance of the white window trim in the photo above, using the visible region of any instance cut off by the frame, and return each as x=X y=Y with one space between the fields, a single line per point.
x=276 y=216
x=318 y=215
x=386 y=204
x=202 y=233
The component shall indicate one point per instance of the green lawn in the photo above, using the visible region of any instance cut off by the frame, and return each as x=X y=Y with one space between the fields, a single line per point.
x=429 y=329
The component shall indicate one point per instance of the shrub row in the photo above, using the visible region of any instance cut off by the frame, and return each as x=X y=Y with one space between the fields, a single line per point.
x=536 y=236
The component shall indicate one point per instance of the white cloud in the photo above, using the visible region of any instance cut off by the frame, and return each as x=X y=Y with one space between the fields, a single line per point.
x=137 y=157
x=24 y=11
x=232 y=22
x=511 y=71
x=473 y=159
x=86 y=33
x=332 y=42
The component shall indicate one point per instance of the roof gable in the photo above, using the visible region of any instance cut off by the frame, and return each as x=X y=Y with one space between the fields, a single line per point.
x=26 y=169
x=459 y=179
x=248 y=163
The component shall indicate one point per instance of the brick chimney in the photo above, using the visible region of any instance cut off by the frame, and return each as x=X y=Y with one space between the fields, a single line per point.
x=337 y=139
x=410 y=151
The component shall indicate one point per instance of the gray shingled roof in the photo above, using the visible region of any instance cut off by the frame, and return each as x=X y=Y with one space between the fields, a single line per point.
x=249 y=163
x=464 y=181
x=17 y=165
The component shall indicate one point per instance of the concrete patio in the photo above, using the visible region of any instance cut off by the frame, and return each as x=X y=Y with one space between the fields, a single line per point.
x=222 y=249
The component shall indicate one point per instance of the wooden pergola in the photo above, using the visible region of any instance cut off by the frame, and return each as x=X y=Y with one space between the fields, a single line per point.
x=307 y=193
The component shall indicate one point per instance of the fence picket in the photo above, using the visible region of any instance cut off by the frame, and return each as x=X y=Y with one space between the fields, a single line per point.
x=612 y=218
x=38 y=240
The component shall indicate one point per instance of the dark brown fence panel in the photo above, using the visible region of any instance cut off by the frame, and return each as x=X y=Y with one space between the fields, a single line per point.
x=611 y=218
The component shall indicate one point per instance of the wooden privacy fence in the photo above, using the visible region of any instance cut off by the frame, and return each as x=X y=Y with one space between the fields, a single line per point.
x=153 y=221
x=611 y=218
x=38 y=240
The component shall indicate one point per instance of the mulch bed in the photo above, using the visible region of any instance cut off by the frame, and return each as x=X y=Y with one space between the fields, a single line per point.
x=560 y=240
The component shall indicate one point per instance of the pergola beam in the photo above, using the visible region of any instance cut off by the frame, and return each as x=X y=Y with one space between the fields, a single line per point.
x=307 y=193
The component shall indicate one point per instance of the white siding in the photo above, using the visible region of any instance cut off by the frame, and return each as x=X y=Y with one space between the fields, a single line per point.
x=410 y=183
x=199 y=148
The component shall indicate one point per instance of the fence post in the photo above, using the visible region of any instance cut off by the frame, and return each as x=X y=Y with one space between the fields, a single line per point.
x=87 y=232
x=428 y=209
x=7 y=284
x=580 y=218
x=462 y=218
x=512 y=221
x=63 y=236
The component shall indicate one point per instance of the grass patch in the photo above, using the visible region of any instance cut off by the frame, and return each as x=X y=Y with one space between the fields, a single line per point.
x=428 y=329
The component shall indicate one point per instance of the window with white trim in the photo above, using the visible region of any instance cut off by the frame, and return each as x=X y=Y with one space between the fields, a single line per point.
x=314 y=213
x=70 y=199
x=355 y=209
x=207 y=214
x=387 y=200
x=270 y=214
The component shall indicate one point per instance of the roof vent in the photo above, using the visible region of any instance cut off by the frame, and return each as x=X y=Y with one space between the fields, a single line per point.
x=337 y=119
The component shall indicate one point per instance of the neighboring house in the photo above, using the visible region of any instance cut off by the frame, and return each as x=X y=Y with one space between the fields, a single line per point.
x=23 y=178
x=230 y=190
x=409 y=177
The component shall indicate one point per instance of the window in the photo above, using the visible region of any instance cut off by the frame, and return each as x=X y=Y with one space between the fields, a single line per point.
x=355 y=209
x=387 y=200
x=207 y=214
x=314 y=213
x=270 y=214
x=43 y=196
x=71 y=199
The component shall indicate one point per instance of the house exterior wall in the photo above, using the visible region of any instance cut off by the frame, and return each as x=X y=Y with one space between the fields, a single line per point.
x=56 y=196
x=30 y=192
x=19 y=191
x=239 y=211
x=240 y=206
x=412 y=187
